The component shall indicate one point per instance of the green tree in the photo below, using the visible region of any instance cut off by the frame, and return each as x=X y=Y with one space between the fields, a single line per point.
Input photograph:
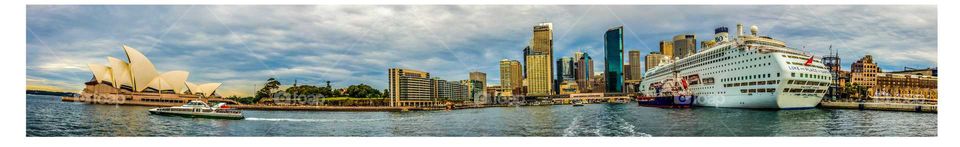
x=847 y=90
x=363 y=91
x=386 y=93
x=268 y=89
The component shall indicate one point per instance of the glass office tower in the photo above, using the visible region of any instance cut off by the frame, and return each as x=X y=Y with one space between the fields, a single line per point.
x=613 y=59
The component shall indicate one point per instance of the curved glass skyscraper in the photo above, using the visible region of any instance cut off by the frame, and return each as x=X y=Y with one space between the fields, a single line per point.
x=613 y=59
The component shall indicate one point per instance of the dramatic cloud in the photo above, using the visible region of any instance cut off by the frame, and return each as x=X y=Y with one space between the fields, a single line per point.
x=242 y=46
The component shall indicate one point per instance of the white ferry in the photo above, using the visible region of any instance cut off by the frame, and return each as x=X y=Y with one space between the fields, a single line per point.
x=199 y=109
x=749 y=71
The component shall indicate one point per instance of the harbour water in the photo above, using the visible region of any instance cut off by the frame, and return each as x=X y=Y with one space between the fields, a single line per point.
x=48 y=116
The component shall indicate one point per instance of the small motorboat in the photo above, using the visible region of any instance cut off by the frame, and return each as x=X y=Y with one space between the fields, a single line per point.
x=200 y=109
x=578 y=103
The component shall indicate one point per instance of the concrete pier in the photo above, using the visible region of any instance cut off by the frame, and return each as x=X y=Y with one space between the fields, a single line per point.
x=880 y=106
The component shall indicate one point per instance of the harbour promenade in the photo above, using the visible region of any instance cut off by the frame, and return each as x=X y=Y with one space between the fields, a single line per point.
x=884 y=106
x=879 y=106
x=267 y=107
x=331 y=108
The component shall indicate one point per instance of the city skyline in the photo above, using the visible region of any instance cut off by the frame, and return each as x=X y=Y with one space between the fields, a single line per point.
x=250 y=48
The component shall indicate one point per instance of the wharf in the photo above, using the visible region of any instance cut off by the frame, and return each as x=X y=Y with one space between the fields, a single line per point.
x=880 y=106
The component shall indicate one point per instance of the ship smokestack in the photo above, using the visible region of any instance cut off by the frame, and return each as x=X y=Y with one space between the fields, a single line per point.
x=739 y=30
x=720 y=34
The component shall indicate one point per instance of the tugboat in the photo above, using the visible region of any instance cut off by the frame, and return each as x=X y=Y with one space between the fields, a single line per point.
x=200 y=109
x=677 y=95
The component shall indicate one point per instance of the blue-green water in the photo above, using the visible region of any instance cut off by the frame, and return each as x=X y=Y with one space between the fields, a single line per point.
x=48 y=116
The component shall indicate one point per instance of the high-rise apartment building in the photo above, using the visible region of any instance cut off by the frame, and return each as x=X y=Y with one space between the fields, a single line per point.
x=408 y=84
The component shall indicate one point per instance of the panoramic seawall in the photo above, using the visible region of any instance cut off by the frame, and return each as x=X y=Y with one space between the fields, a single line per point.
x=880 y=106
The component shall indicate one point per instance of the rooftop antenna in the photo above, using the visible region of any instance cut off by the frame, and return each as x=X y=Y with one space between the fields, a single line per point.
x=831 y=48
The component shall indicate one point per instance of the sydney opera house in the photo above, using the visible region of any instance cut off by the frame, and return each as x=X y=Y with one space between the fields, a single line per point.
x=137 y=81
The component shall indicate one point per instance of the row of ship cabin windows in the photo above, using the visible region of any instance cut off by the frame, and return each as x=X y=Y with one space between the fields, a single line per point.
x=785 y=90
x=750 y=77
x=811 y=76
x=802 y=82
x=770 y=82
x=797 y=90
x=739 y=62
x=758 y=90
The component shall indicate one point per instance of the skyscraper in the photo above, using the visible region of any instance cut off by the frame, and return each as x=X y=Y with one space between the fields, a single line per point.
x=583 y=70
x=540 y=61
x=566 y=69
x=526 y=52
x=613 y=59
x=684 y=45
x=627 y=72
x=707 y=44
x=652 y=60
x=635 y=66
x=481 y=77
x=511 y=75
x=474 y=90
x=565 y=72
x=666 y=48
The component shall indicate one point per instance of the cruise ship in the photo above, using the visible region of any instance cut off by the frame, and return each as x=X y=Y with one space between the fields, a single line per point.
x=748 y=71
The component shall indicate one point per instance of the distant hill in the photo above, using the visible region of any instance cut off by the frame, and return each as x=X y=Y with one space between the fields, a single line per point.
x=54 y=93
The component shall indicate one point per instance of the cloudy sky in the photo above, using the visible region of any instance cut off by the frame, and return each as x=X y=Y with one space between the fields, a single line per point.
x=242 y=46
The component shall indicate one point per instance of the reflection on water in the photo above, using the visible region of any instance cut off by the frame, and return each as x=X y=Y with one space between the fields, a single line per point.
x=47 y=116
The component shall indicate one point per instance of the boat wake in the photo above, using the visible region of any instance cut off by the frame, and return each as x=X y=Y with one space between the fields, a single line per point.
x=332 y=120
x=571 y=129
x=602 y=126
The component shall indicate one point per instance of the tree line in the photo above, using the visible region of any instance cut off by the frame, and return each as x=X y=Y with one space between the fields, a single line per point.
x=272 y=86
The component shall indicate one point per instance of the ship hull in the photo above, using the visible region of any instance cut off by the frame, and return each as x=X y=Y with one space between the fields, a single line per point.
x=759 y=101
x=667 y=101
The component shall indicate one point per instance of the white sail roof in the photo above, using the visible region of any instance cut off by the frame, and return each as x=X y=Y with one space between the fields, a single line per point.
x=175 y=79
x=101 y=72
x=193 y=87
x=209 y=88
x=121 y=72
x=141 y=68
x=159 y=83
x=141 y=74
